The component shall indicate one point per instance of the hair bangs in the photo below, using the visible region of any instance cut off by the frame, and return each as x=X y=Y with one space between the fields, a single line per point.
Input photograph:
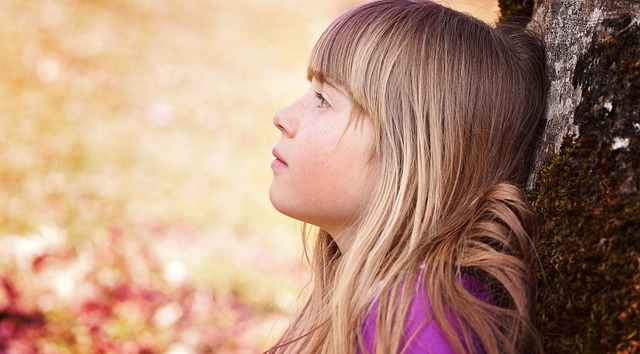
x=338 y=55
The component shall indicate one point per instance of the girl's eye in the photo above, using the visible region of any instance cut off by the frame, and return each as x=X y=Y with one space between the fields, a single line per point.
x=322 y=102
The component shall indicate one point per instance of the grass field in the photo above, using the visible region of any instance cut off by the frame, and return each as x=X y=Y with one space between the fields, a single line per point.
x=145 y=126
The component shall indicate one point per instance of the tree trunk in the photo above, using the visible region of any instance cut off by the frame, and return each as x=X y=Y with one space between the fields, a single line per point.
x=587 y=180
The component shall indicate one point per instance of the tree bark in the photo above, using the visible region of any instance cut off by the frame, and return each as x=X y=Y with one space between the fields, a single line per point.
x=586 y=185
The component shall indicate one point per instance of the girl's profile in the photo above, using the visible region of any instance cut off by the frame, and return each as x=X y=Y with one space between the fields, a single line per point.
x=407 y=158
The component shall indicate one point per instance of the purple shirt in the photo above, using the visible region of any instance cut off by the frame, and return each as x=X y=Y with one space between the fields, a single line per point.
x=429 y=338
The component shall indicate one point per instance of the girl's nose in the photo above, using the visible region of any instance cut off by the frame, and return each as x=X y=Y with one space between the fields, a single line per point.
x=285 y=121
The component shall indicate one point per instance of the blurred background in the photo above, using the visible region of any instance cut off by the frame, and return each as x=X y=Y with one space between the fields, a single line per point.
x=135 y=143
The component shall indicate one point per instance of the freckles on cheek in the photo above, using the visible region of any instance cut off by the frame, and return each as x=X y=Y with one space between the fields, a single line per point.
x=315 y=165
x=321 y=155
x=319 y=177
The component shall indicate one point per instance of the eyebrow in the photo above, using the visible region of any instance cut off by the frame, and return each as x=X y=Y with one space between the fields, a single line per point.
x=335 y=87
x=325 y=80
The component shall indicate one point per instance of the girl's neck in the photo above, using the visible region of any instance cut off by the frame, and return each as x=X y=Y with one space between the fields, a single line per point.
x=343 y=237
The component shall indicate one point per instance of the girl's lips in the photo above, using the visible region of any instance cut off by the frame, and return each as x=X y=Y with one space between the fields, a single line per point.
x=278 y=162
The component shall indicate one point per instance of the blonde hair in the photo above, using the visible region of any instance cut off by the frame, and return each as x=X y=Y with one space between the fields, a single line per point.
x=457 y=106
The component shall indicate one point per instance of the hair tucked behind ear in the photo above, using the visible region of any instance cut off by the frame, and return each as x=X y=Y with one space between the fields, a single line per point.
x=457 y=107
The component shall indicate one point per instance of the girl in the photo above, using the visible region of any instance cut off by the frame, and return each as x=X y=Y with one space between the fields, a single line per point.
x=408 y=155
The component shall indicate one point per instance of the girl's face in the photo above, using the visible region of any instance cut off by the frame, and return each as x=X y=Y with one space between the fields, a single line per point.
x=323 y=171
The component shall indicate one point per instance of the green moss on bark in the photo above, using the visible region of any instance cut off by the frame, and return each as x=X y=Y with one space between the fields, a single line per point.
x=587 y=197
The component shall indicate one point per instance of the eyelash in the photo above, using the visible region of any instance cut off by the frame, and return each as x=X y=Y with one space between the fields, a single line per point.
x=323 y=101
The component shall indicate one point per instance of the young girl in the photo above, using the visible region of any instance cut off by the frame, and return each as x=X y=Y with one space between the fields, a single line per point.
x=408 y=155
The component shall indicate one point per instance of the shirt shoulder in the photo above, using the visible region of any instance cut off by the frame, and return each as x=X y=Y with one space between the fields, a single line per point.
x=422 y=332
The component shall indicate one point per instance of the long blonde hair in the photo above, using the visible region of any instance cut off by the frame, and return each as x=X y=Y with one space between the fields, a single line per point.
x=457 y=106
